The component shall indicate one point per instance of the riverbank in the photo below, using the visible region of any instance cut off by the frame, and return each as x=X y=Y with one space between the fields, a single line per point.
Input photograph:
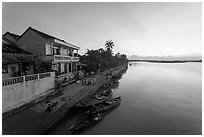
x=30 y=120
x=157 y=99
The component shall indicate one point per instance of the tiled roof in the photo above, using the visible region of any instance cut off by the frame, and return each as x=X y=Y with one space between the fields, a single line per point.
x=15 y=36
x=44 y=35
x=10 y=47
x=13 y=54
x=47 y=36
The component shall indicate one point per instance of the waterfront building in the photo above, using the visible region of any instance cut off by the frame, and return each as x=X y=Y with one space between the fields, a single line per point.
x=16 y=61
x=11 y=37
x=62 y=55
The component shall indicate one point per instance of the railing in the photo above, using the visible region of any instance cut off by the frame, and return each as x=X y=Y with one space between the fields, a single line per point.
x=59 y=58
x=44 y=75
x=75 y=58
x=10 y=81
x=49 y=57
x=14 y=80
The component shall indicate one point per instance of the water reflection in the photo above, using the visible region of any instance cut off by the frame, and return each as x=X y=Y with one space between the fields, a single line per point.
x=156 y=99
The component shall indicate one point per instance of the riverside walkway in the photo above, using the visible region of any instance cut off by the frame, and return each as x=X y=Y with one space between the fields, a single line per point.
x=30 y=121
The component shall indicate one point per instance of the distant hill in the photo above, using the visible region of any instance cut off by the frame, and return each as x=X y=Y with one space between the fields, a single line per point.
x=165 y=58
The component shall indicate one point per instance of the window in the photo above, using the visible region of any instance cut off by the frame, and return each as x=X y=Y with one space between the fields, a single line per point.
x=70 y=52
x=26 y=67
x=13 y=69
x=48 y=49
x=56 y=51
x=4 y=68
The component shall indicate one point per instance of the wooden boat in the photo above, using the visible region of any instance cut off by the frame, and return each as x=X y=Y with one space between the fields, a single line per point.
x=97 y=99
x=105 y=106
x=89 y=120
x=95 y=114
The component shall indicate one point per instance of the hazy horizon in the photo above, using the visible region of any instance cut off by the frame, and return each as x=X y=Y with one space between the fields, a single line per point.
x=181 y=57
x=136 y=28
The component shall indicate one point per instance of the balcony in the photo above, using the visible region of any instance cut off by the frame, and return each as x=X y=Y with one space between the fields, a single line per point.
x=75 y=59
x=61 y=58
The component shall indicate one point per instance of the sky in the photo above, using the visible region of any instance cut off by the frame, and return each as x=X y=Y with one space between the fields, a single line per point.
x=136 y=28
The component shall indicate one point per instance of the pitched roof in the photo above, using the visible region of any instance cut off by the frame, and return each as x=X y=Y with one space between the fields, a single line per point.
x=15 y=36
x=47 y=36
x=6 y=58
x=12 y=48
x=13 y=54
x=44 y=35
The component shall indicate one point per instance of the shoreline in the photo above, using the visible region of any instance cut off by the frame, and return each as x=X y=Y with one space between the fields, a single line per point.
x=165 y=61
x=32 y=116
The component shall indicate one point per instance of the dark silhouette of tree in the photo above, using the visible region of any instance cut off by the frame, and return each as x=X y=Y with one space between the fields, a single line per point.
x=102 y=59
x=109 y=45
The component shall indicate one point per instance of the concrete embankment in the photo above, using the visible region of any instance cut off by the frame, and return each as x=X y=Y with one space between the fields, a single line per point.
x=31 y=121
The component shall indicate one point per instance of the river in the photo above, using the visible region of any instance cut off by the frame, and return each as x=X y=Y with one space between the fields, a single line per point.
x=157 y=99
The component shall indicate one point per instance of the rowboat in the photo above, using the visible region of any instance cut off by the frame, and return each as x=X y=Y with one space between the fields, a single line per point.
x=89 y=120
x=105 y=106
x=95 y=113
x=97 y=99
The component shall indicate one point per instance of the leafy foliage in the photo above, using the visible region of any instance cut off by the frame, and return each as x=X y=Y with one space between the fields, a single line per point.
x=102 y=59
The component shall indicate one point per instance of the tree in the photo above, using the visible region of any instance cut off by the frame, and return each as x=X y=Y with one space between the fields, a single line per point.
x=102 y=59
x=109 y=45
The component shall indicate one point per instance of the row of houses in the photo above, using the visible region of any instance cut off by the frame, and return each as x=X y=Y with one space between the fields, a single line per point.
x=35 y=50
x=33 y=64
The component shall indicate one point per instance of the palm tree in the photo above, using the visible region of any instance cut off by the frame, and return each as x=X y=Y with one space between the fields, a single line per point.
x=109 y=45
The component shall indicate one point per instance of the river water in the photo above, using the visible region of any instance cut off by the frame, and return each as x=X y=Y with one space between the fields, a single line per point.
x=157 y=98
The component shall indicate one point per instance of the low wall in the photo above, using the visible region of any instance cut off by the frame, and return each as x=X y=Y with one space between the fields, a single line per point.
x=70 y=77
x=60 y=78
x=20 y=90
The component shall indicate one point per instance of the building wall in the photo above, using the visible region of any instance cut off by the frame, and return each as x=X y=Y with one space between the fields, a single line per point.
x=12 y=71
x=33 y=43
x=15 y=95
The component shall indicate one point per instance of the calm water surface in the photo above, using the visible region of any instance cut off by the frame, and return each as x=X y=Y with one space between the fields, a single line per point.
x=156 y=99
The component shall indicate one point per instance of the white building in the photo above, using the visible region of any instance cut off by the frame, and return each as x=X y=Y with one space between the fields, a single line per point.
x=62 y=55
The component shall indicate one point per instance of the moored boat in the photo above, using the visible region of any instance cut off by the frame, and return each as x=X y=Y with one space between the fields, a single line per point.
x=106 y=105
x=97 y=99
x=89 y=120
